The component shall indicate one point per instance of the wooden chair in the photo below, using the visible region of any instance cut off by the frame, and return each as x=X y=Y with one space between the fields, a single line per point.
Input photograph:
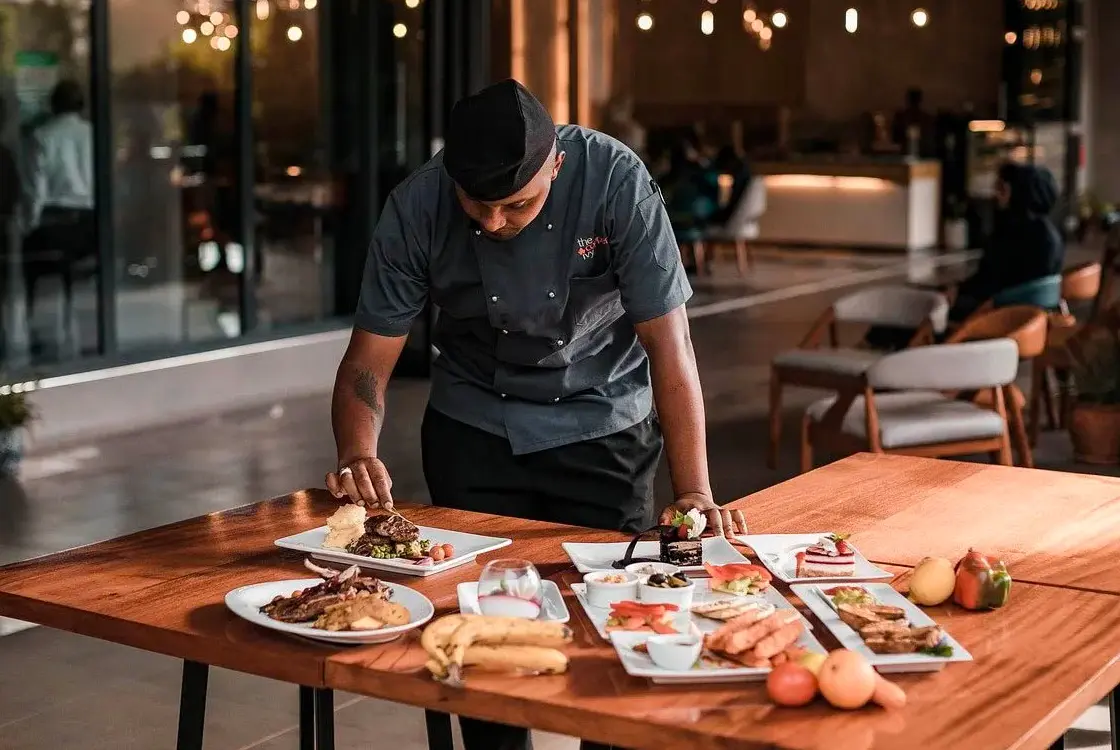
x=1028 y=327
x=834 y=367
x=1084 y=283
x=916 y=418
x=742 y=228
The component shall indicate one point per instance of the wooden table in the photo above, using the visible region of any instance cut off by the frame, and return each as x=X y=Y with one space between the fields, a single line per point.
x=1040 y=661
x=1050 y=527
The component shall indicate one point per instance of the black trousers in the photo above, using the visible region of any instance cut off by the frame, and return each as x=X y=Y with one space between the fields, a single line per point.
x=606 y=483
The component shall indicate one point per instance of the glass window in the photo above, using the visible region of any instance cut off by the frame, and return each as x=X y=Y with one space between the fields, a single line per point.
x=48 y=247
x=178 y=260
x=295 y=193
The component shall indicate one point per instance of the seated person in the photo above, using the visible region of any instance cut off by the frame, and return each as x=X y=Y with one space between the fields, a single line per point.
x=1025 y=245
x=690 y=199
x=729 y=162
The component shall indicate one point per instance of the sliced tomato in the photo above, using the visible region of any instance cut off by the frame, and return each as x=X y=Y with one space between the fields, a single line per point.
x=738 y=570
x=662 y=628
x=637 y=609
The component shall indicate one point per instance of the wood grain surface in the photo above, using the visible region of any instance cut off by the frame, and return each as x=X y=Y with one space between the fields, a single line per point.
x=1040 y=661
x=163 y=590
x=1050 y=527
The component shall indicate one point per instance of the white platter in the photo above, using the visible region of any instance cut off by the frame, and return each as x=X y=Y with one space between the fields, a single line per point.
x=467 y=547
x=685 y=621
x=640 y=665
x=778 y=553
x=588 y=557
x=553 y=608
x=820 y=605
x=247 y=601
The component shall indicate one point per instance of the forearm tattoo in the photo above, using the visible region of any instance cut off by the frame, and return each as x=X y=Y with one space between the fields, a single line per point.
x=365 y=389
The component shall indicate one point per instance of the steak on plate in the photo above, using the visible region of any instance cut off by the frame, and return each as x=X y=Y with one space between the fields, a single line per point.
x=393 y=527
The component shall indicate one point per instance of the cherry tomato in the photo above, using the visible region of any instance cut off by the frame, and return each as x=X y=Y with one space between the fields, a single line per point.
x=448 y=551
x=436 y=553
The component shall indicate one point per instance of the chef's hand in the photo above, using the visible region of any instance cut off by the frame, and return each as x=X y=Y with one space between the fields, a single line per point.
x=721 y=521
x=364 y=481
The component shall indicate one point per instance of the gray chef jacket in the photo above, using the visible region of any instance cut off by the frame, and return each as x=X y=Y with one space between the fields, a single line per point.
x=536 y=333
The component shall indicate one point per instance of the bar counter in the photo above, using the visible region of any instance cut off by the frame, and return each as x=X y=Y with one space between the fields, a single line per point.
x=881 y=203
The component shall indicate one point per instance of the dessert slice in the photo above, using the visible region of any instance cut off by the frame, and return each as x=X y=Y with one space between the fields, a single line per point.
x=680 y=540
x=830 y=557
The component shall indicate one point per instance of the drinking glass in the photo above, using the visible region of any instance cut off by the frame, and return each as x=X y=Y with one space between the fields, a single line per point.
x=510 y=588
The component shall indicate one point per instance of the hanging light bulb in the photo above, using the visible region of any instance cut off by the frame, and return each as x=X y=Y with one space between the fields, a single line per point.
x=263 y=10
x=645 y=21
x=919 y=17
x=707 y=22
x=851 y=20
x=779 y=19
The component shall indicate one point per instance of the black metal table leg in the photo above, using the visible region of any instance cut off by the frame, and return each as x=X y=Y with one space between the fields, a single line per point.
x=1114 y=720
x=306 y=718
x=192 y=705
x=439 y=730
x=324 y=719
x=1059 y=744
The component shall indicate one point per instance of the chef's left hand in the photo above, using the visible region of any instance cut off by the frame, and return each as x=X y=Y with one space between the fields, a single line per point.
x=721 y=521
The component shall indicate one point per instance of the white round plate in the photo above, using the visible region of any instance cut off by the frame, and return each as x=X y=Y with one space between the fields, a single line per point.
x=247 y=601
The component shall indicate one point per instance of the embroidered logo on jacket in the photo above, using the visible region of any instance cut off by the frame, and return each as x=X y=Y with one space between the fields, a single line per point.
x=585 y=246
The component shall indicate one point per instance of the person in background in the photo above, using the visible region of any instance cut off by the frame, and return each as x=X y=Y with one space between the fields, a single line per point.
x=623 y=127
x=691 y=198
x=913 y=127
x=1025 y=243
x=730 y=162
x=58 y=201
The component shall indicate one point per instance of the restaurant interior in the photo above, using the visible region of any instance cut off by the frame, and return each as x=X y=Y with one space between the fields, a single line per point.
x=912 y=412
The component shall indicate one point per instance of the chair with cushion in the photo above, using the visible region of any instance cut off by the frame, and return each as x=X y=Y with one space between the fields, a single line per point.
x=1027 y=326
x=742 y=228
x=1086 y=283
x=916 y=418
x=836 y=367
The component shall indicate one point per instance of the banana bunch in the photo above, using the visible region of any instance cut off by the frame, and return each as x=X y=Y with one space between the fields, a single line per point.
x=499 y=644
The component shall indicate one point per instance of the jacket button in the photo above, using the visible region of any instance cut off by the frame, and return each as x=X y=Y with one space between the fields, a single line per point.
x=550 y=227
x=494 y=298
x=504 y=331
x=503 y=395
x=551 y=295
x=559 y=342
x=477 y=232
x=555 y=399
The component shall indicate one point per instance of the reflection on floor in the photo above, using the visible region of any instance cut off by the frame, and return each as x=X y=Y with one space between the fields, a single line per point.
x=64 y=691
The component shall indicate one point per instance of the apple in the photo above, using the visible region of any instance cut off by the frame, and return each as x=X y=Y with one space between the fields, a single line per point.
x=812 y=661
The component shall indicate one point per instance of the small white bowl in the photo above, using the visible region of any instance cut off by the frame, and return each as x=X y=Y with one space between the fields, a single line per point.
x=601 y=593
x=676 y=653
x=643 y=569
x=681 y=596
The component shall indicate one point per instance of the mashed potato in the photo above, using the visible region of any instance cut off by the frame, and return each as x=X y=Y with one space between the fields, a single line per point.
x=346 y=525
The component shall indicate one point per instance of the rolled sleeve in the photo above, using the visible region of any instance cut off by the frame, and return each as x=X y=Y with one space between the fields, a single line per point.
x=395 y=283
x=651 y=277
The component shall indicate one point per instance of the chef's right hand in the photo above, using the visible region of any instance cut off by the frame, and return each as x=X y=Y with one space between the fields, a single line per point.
x=364 y=481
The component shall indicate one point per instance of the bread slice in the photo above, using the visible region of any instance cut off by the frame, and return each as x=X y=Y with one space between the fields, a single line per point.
x=727 y=609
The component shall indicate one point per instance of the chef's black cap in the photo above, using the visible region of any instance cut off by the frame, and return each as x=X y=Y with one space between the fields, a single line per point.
x=497 y=141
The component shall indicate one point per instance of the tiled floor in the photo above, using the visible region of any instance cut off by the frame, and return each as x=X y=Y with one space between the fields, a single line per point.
x=59 y=691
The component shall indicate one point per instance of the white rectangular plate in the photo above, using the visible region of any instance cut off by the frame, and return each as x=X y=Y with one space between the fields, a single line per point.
x=816 y=600
x=467 y=547
x=684 y=621
x=588 y=557
x=640 y=665
x=777 y=552
x=553 y=608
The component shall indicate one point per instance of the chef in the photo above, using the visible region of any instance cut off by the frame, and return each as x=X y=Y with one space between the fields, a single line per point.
x=561 y=299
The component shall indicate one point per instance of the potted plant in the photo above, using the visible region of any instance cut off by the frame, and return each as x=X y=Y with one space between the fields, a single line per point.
x=1094 y=424
x=16 y=413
